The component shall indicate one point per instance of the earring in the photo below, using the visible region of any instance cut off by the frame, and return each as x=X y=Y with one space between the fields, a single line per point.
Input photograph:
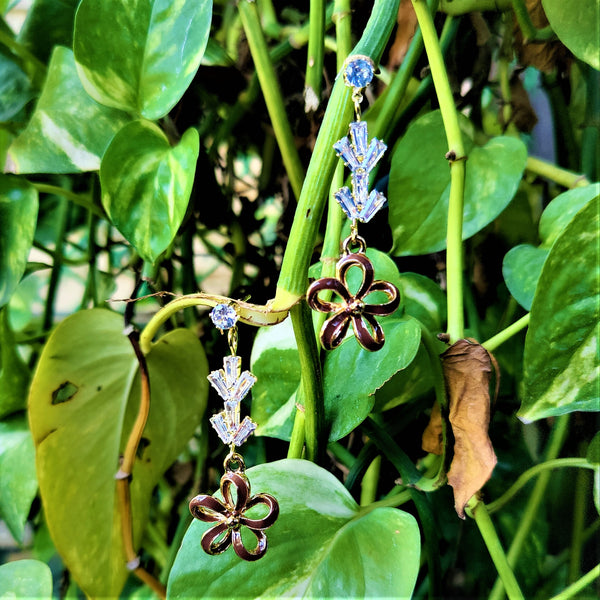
x=229 y=515
x=360 y=157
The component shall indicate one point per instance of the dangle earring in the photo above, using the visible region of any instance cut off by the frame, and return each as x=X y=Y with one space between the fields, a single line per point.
x=229 y=516
x=360 y=157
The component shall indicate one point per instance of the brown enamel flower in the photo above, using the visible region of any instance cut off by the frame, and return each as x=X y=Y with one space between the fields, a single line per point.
x=353 y=308
x=229 y=517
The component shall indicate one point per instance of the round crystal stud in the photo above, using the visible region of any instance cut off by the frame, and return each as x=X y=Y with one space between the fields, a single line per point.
x=358 y=73
x=223 y=316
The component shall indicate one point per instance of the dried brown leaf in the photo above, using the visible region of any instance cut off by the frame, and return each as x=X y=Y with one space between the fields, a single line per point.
x=407 y=26
x=432 y=440
x=467 y=370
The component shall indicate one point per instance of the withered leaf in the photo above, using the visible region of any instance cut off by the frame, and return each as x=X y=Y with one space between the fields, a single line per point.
x=432 y=440
x=407 y=26
x=467 y=370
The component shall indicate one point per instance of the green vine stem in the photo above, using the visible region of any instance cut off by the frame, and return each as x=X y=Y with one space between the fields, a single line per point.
x=504 y=335
x=579 y=585
x=478 y=510
x=316 y=55
x=368 y=485
x=461 y=7
x=79 y=199
x=272 y=94
x=555 y=443
x=564 y=177
x=293 y=277
x=456 y=159
x=251 y=314
x=530 y=33
x=310 y=391
x=582 y=487
x=528 y=475
x=296 y=447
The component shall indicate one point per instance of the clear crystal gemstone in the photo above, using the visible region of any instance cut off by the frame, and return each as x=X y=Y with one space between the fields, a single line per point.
x=374 y=152
x=244 y=431
x=347 y=152
x=345 y=200
x=220 y=426
x=359 y=135
x=358 y=73
x=375 y=201
x=229 y=385
x=223 y=316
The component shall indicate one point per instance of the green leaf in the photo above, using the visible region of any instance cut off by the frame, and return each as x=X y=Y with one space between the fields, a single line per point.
x=146 y=63
x=561 y=372
x=15 y=90
x=14 y=374
x=419 y=185
x=83 y=401
x=68 y=131
x=593 y=456
x=559 y=213
x=275 y=363
x=18 y=483
x=350 y=398
x=321 y=546
x=146 y=185
x=575 y=22
x=424 y=300
x=25 y=579
x=18 y=215
x=38 y=37
x=521 y=269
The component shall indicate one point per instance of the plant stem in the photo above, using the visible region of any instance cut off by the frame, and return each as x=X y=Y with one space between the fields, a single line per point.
x=343 y=30
x=530 y=33
x=79 y=199
x=528 y=475
x=456 y=159
x=293 y=277
x=478 y=511
x=461 y=7
x=368 y=486
x=311 y=384
x=555 y=443
x=316 y=54
x=296 y=447
x=504 y=335
x=579 y=501
x=579 y=585
x=563 y=177
x=272 y=94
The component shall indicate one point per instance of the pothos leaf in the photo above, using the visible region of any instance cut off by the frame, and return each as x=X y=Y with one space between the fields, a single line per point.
x=321 y=546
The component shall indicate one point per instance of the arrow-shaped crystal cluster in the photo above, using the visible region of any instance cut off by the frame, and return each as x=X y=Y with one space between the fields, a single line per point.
x=360 y=158
x=232 y=386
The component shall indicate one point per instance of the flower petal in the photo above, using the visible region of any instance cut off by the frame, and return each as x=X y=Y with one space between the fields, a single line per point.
x=242 y=552
x=390 y=306
x=364 y=264
x=242 y=486
x=210 y=542
x=327 y=283
x=369 y=341
x=267 y=520
x=334 y=330
x=207 y=509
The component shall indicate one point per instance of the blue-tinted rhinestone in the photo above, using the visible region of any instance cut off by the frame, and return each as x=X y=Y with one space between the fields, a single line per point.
x=374 y=202
x=358 y=73
x=373 y=154
x=360 y=187
x=223 y=316
x=346 y=151
x=346 y=201
x=359 y=135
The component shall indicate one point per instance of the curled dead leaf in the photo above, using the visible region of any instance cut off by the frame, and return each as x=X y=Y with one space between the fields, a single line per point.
x=432 y=440
x=407 y=26
x=467 y=370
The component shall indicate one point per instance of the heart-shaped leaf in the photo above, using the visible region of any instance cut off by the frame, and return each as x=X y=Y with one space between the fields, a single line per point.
x=68 y=131
x=15 y=89
x=146 y=185
x=522 y=265
x=561 y=372
x=147 y=62
x=18 y=216
x=575 y=22
x=25 y=579
x=83 y=401
x=17 y=468
x=419 y=185
x=321 y=546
